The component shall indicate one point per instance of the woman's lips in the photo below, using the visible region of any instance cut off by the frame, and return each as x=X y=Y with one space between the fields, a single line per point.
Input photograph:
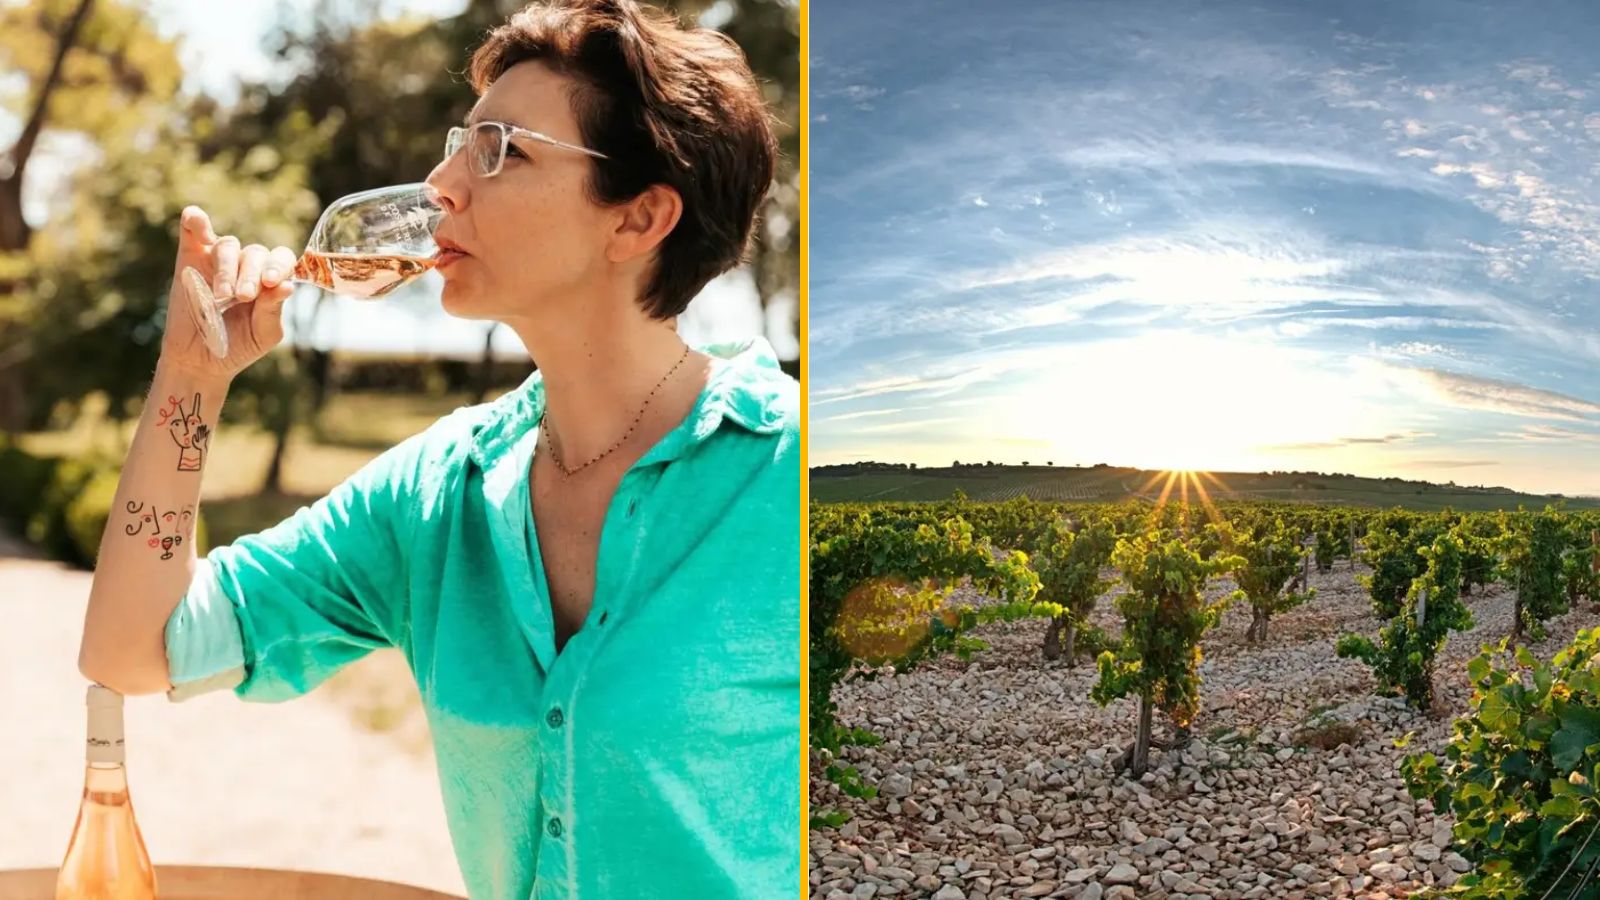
x=446 y=257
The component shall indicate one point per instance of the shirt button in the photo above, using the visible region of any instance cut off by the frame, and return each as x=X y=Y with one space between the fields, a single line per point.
x=555 y=718
x=554 y=827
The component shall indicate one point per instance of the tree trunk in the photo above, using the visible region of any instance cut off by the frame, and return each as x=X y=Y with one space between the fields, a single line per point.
x=1052 y=639
x=486 y=368
x=274 y=481
x=281 y=421
x=318 y=366
x=1425 y=688
x=1061 y=627
x=13 y=405
x=1140 y=762
x=1258 y=626
x=14 y=229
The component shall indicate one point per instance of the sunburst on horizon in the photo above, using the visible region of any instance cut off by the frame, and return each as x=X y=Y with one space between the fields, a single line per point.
x=1183 y=479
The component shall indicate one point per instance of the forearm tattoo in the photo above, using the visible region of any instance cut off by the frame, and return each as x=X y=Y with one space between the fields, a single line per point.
x=166 y=529
x=190 y=434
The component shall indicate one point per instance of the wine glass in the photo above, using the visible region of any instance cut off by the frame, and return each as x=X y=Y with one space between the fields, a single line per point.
x=364 y=246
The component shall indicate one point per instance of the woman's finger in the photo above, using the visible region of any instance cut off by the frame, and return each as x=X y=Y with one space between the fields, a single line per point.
x=266 y=315
x=227 y=259
x=196 y=227
x=280 y=265
x=251 y=261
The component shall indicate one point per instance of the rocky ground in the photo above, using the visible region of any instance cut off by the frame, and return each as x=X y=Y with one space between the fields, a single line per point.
x=995 y=776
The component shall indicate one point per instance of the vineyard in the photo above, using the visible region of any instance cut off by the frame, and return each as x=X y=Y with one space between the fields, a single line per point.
x=1235 y=699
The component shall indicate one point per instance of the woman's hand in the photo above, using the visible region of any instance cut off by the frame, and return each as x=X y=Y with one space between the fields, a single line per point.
x=256 y=275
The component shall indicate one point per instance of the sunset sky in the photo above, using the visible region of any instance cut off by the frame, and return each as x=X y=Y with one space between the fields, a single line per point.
x=1330 y=237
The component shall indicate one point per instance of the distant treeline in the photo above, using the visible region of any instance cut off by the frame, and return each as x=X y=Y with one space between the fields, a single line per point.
x=958 y=468
x=411 y=375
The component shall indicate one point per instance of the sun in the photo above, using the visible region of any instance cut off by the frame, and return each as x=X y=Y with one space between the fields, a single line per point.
x=1168 y=400
x=1185 y=486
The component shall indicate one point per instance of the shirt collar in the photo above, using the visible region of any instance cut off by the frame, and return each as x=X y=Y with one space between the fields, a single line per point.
x=740 y=389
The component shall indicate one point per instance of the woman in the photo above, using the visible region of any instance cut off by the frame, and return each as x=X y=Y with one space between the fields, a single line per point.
x=595 y=578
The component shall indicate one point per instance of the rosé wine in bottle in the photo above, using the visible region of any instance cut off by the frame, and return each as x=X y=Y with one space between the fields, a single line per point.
x=106 y=858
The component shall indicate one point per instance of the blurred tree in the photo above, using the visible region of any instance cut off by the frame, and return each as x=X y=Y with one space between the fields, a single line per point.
x=103 y=267
x=91 y=70
x=13 y=227
x=104 y=63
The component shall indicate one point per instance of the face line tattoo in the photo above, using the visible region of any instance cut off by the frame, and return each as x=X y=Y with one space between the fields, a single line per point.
x=188 y=432
x=168 y=529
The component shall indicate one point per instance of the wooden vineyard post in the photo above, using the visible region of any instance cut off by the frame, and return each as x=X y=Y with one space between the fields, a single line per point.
x=1594 y=563
x=1422 y=616
x=1516 y=609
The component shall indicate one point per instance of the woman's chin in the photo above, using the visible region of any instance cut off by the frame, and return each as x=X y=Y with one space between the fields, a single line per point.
x=457 y=300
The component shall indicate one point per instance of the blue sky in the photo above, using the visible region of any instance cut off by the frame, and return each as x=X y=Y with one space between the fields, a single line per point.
x=223 y=43
x=1353 y=237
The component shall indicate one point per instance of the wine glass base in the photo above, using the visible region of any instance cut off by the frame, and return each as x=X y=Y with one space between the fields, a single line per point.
x=203 y=310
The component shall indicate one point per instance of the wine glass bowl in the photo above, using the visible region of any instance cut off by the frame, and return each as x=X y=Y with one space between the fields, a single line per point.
x=365 y=245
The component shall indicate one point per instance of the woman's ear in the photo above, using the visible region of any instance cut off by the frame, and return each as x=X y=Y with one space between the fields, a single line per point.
x=645 y=222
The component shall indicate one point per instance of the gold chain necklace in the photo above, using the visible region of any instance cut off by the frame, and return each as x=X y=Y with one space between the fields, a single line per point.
x=551 y=439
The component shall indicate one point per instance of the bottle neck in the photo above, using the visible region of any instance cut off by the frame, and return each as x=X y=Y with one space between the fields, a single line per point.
x=105 y=732
x=106 y=778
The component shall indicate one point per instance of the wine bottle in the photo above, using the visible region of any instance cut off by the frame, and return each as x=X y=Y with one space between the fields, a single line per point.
x=106 y=859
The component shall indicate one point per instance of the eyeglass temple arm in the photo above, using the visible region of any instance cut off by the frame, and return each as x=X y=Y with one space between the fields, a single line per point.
x=547 y=139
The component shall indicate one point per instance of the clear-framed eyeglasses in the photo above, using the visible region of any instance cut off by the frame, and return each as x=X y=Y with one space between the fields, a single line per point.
x=487 y=142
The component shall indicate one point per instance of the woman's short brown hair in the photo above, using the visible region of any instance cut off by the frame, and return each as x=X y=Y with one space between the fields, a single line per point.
x=668 y=105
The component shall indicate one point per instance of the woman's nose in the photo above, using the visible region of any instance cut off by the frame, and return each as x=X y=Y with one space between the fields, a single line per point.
x=448 y=185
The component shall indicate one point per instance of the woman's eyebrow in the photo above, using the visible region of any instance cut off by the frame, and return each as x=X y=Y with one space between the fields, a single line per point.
x=474 y=118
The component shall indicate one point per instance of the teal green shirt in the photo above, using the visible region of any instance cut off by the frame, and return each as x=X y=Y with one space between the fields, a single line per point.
x=658 y=754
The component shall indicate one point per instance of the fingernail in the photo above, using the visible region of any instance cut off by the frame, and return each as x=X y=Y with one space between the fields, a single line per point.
x=247 y=289
x=271 y=274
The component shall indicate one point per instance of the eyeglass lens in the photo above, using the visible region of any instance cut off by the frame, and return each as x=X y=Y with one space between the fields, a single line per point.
x=483 y=148
x=482 y=142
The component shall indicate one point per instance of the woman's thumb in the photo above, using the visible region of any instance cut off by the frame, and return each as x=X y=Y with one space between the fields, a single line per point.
x=196 y=230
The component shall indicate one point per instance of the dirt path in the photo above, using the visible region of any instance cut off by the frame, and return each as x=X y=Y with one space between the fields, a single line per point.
x=216 y=781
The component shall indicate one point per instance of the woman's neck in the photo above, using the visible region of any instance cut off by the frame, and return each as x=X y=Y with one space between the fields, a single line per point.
x=599 y=370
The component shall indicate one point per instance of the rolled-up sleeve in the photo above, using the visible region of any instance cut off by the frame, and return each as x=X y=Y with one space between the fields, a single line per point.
x=275 y=614
x=204 y=649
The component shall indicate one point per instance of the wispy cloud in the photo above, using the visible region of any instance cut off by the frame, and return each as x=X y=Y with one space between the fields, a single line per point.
x=1494 y=395
x=935 y=386
x=1416 y=223
x=1338 y=443
x=868 y=413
